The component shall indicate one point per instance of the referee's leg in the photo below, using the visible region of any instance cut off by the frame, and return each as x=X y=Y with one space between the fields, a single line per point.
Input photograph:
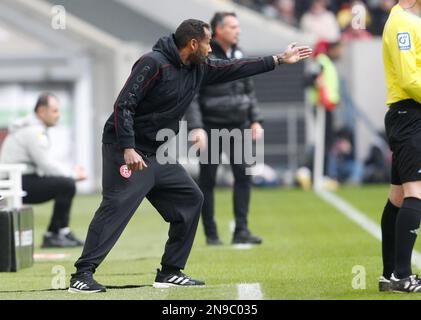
x=122 y=195
x=402 y=214
x=179 y=201
x=407 y=228
x=388 y=227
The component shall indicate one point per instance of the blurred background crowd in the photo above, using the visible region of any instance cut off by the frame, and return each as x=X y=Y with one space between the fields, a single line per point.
x=305 y=14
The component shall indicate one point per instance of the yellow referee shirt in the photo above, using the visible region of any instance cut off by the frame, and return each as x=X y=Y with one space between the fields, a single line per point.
x=402 y=55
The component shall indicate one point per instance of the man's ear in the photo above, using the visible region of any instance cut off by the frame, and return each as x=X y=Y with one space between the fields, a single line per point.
x=219 y=29
x=194 y=44
x=41 y=112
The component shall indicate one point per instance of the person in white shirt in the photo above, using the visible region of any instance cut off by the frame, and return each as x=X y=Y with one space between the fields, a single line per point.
x=321 y=22
x=45 y=177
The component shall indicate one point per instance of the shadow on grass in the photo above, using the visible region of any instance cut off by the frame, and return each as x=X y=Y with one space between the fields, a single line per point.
x=129 y=286
x=123 y=287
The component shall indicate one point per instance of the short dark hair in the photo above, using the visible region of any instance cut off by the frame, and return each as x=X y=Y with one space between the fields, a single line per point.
x=42 y=100
x=188 y=30
x=218 y=19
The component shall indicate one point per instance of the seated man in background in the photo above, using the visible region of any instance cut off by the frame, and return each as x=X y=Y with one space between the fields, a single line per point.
x=342 y=164
x=45 y=178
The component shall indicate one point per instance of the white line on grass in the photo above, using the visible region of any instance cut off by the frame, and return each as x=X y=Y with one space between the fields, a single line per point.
x=50 y=256
x=361 y=219
x=245 y=291
x=242 y=246
x=249 y=291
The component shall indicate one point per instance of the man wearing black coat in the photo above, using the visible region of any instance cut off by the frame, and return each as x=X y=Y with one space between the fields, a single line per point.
x=157 y=93
x=231 y=105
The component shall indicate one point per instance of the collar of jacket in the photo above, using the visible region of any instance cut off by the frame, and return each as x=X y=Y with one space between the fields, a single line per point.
x=27 y=121
x=167 y=46
x=218 y=52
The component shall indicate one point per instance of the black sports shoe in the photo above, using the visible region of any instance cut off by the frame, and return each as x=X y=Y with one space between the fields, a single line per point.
x=177 y=279
x=72 y=237
x=410 y=284
x=384 y=284
x=214 y=242
x=85 y=283
x=245 y=237
x=56 y=240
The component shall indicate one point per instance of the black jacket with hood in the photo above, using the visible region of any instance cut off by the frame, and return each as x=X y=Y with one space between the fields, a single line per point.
x=231 y=104
x=159 y=90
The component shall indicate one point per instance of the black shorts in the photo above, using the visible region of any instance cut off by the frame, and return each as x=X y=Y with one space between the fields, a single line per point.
x=403 y=130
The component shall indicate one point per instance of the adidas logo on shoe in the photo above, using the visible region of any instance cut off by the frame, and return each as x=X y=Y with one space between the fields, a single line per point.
x=410 y=284
x=85 y=283
x=179 y=279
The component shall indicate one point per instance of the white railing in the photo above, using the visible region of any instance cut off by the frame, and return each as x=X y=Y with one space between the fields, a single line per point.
x=11 y=187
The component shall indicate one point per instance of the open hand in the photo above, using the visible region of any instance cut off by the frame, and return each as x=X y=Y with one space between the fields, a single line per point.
x=294 y=54
x=80 y=173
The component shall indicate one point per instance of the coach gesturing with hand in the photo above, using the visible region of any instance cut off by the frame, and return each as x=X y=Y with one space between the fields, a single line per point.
x=160 y=88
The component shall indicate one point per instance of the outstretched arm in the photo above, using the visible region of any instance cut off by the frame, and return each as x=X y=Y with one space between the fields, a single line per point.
x=218 y=71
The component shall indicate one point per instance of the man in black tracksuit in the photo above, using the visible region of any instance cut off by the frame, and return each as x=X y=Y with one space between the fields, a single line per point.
x=231 y=105
x=160 y=88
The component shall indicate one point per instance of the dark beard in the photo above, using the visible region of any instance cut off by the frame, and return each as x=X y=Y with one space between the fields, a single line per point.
x=196 y=58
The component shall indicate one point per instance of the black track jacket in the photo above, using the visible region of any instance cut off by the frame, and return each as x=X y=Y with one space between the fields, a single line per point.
x=159 y=90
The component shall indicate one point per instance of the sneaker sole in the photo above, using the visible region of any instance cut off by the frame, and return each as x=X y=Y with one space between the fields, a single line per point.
x=165 y=285
x=162 y=285
x=397 y=291
x=74 y=290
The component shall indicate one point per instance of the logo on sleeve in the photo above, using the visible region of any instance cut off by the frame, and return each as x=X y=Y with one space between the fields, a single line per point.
x=404 y=41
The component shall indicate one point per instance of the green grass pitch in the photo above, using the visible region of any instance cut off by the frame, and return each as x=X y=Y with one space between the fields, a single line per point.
x=309 y=252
